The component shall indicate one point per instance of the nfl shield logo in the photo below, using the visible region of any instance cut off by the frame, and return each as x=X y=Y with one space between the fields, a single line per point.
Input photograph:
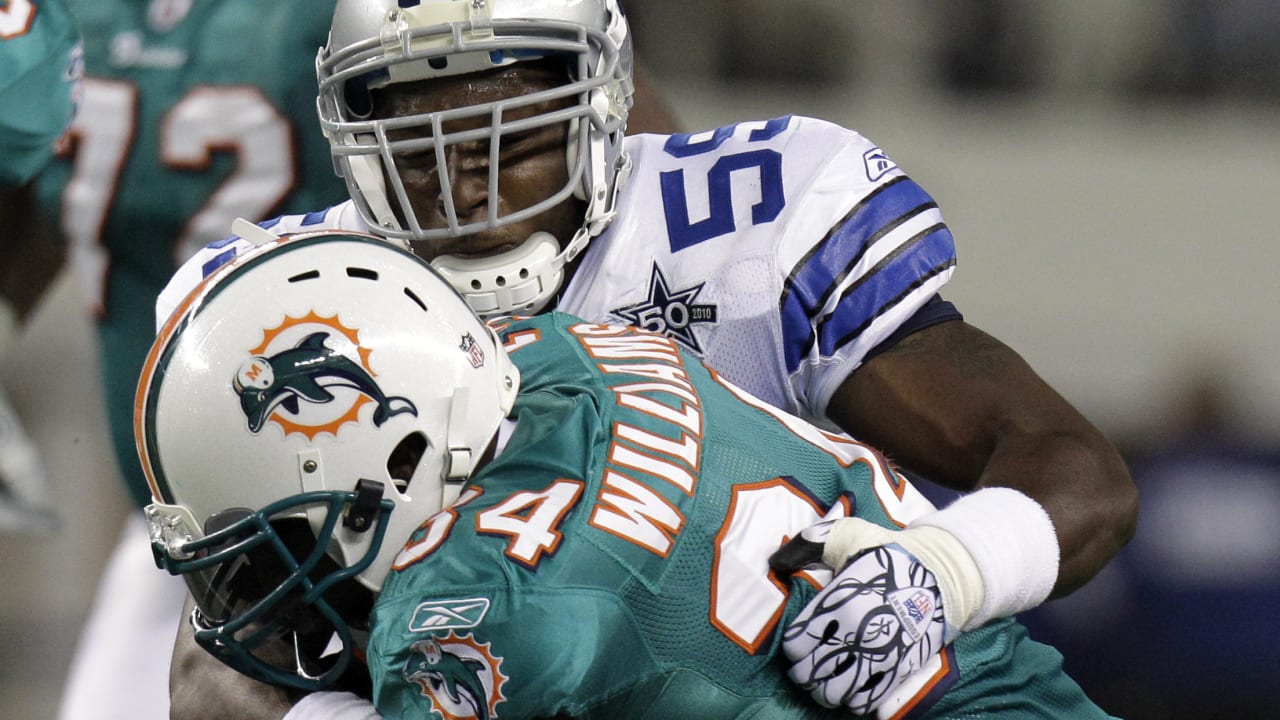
x=473 y=350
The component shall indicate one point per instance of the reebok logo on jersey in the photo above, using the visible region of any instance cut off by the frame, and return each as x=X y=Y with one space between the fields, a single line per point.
x=878 y=164
x=448 y=615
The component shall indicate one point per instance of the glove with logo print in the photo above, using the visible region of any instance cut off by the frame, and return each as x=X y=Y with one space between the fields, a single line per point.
x=877 y=622
x=900 y=596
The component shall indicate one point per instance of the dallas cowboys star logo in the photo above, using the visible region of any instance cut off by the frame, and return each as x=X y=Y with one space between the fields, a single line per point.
x=668 y=313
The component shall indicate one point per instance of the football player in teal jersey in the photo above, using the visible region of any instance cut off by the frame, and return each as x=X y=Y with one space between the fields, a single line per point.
x=193 y=112
x=40 y=66
x=559 y=519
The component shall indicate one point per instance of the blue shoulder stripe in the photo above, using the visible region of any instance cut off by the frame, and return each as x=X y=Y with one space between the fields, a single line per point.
x=924 y=256
x=817 y=275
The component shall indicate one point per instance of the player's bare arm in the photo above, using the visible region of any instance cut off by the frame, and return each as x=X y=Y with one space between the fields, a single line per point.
x=963 y=409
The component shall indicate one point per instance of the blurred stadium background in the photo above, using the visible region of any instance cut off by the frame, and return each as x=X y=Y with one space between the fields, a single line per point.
x=1110 y=170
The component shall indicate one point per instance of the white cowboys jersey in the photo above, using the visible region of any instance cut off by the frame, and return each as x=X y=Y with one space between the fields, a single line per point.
x=780 y=252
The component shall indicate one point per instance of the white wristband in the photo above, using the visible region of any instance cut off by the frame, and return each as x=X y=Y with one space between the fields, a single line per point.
x=994 y=553
x=8 y=327
x=332 y=706
x=1011 y=539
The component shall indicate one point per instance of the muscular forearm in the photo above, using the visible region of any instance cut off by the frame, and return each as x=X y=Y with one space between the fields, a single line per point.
x=1082 y=483
x=964 y=410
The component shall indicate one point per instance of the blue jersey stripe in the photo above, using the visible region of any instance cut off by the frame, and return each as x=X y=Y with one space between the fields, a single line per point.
x=315 y=218
x=923 y=257
x=825 y=265
x=821 y=271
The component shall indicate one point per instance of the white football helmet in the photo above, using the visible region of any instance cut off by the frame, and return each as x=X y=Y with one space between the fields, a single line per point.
x=375 y=43
x=309 y=406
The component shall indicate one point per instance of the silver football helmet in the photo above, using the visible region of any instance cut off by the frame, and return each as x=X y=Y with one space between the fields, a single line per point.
x=375 y=43
x=310 y=406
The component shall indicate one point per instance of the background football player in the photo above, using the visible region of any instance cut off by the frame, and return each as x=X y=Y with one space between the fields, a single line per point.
x=193 y=113
x=40 y=65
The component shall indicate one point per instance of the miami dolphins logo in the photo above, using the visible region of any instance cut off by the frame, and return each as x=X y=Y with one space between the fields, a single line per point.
x=319 y=361
x=459 y=674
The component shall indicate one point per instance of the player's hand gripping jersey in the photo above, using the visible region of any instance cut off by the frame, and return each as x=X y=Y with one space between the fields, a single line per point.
x=612 y=561
x=780 y=252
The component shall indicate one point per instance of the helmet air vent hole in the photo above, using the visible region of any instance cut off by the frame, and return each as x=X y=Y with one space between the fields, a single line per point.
x=502 y=281
x=524 y=274
x=362 y=273
x=416 y=300
x=404 y=460
x=475 y=285
x=308 y=275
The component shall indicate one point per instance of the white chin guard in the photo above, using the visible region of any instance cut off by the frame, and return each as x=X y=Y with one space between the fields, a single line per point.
x=522 y=279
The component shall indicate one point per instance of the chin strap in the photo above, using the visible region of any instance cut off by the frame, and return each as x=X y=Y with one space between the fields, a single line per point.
x=460 y=460
x=598 y=218
x=463 y=459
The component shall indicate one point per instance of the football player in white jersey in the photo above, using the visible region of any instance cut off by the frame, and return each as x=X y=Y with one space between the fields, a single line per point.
x=791 y=254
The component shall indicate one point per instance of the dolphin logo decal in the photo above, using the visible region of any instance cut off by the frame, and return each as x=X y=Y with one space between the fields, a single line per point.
x=449 y=679
x=306 y=372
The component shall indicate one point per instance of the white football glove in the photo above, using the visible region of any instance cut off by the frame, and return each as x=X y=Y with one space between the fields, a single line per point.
x=877 y=622
x=900 y=596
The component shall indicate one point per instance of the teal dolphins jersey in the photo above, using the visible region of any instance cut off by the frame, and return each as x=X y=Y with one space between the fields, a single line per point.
x=612 y=561
x=194 y=113
x=39 y=75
